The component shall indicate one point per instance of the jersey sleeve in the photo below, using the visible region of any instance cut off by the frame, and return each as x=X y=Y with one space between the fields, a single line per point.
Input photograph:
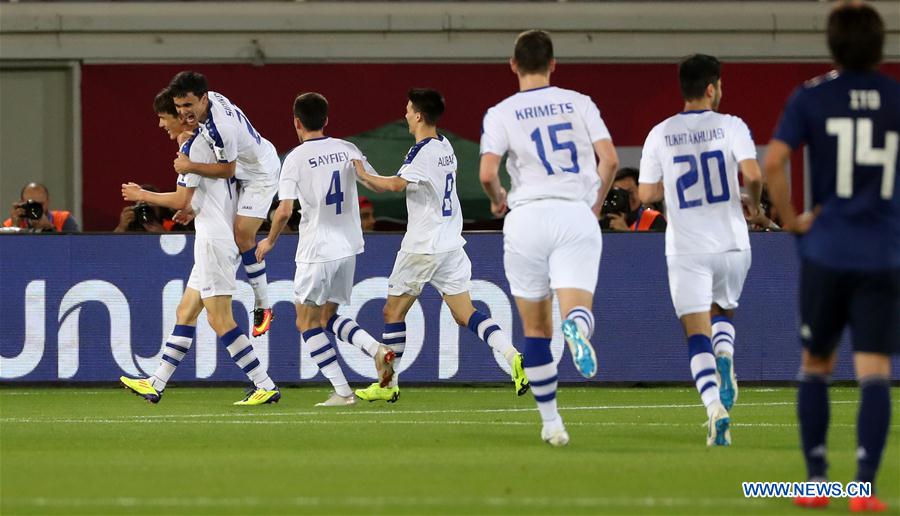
x=596 y=128
x=742 y=145
x=189 y=180
x=791 y=129
x=651 y=168
x=288 y=184
x=224 y=140
x=494 y=139
x=414 y=170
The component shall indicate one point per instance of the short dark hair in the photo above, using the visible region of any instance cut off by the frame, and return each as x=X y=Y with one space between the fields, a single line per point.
x=628 y=172
x=188 y=82
x=855 y=36
x=164 y=104
x=696 y=72
x=312 y=110
x=428 y=102
x=534 y=51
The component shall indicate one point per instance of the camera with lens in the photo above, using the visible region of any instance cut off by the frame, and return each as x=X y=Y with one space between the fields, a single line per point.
x=617 y=201
x=33 y=209
x=144 y=214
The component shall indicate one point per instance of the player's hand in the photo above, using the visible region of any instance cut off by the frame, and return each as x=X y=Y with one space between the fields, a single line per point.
x=617 y=222
x=131 y=192
x=500 y=208
x=182 y=163
x=184 y=217
x=803 y=222
x=750 y=210
x=262 y=249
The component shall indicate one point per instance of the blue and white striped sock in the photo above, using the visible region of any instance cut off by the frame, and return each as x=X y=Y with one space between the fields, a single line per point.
x=703 y=368
x=723 y=335
x=256 y=275
x=542 y=376
x=241 y=351
x=323 y=353
x=177 y=346
x=584 y=319
x=347 y=330
x=489 y=331
x=394 y=337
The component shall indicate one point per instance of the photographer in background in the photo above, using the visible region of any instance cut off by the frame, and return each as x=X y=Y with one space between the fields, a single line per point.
x=622 y=209
x=143 y=217
x=32 y=212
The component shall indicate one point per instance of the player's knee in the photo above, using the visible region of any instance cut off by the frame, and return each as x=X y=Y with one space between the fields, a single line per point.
x=220 y=323
x=817 y=364
x=185 y=314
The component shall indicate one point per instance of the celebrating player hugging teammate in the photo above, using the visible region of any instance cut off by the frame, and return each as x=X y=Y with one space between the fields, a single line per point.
x=319 y=173
x=432 y=248
x=692 y=159
x=212 y=280
x=241 y=153
x=551 y=238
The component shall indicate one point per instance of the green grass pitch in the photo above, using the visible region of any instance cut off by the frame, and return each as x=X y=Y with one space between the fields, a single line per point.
x=446 y=450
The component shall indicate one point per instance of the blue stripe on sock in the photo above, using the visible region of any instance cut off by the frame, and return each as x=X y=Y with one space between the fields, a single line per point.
x=489 y=331
x=394 y=327
x=321 y=350
x=579 y=311
x=536 y=352
x=721 y=334
x=249 y=257
x=352 y=332
x=340 y=327
x=548 y=381
x=395 y=340
x=545 y=397
x=171 y=360
x=398 y=354
x=327 y=361
x=330 y=325
x=242 y=353
x=476 y=319
x=231 y=336
x=720 y=318
x=708 y=385
x=704 y=373
x=256 y=274
x=308 y=334
x=251 y=366
x=183 y=330
x=176 y=347
x=699 y=344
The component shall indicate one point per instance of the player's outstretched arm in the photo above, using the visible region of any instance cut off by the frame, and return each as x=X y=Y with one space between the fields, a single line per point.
x=282 y=214
x=606 y=169
x=777 y=156
x=379 y=183
x=752 y=184
x=184 y=165
x=180 y=199
x=650 y=193
x=489 y=174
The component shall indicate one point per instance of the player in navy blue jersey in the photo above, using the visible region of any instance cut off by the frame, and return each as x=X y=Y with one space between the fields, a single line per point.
x=850 y=241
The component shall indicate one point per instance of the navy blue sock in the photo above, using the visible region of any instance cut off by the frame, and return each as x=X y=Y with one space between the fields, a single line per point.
x=813 y=413
x=872 y=425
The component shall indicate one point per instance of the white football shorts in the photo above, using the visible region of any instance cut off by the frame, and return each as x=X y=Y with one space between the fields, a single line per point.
x=450 y=273
x=255 y=199
x=323 y=282
x=696 y=281
x=551 y=244
x=215 y=265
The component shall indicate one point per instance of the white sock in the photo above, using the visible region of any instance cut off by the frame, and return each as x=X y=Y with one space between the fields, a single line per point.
x=347 y=330
x=723 y=335
x=489 y=331
x=584 y=319
x=256 y=276
x=322 y=351
x=241 y=351
x=394 y=337
x=177 y=346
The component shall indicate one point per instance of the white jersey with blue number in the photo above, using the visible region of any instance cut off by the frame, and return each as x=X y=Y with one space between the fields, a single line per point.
x=215 y=199
x=432 y=205
x=234 y=139
x=319 y=173
x=549 y=133
x=696 y=155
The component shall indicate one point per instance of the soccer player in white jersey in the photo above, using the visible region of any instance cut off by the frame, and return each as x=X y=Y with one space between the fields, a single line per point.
x=551 y=237
x=212 y=280
x=241 y=153
x=432 y=249
x=319 y=173
x=693 y=159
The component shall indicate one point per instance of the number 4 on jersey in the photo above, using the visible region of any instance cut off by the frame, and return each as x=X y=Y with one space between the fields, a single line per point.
x=335 y=195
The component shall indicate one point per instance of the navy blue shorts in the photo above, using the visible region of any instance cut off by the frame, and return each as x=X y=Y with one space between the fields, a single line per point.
x=867 y=301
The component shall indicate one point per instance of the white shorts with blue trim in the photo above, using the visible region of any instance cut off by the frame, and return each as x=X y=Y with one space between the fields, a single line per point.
x=696 y=281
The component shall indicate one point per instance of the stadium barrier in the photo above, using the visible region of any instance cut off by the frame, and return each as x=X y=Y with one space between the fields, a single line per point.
x=91 y=307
